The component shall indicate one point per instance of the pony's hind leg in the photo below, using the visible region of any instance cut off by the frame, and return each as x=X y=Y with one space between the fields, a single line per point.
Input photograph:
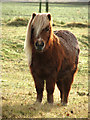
x=64 y=86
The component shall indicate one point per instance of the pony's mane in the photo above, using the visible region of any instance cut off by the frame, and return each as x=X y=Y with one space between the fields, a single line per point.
x=39 y=22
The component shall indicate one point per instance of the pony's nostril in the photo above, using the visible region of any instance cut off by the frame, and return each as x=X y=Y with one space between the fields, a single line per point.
x=42 y=43
x=37 y=44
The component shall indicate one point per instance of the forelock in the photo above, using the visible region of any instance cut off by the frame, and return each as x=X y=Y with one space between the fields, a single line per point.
x=39 y=23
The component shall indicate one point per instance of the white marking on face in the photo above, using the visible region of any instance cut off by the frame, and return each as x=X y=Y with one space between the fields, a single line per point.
x=39 y=39
x=38 y=31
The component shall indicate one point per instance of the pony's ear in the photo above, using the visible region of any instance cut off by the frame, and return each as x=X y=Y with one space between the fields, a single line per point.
x=49 y=16
x=33 y=15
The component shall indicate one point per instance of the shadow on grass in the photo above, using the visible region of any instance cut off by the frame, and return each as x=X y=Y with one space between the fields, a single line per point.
x=84 y=42
x=27 y=110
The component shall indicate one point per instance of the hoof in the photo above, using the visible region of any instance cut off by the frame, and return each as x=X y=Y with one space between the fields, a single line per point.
x=48 y=103
x=38 y=101
x=39 y=98
x=50 y=99
x=63 y=104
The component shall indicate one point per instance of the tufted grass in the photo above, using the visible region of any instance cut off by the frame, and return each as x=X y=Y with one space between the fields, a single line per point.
x=18 y=91
x=62 y=13
x=18 y=87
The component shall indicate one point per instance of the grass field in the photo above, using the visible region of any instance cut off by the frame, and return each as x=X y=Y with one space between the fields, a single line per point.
x=18 y=91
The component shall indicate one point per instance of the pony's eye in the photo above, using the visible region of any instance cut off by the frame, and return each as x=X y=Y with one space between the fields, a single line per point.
x=32 y=30
x=47 y=28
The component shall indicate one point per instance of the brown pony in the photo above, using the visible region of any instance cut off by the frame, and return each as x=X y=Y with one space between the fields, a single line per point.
x=52 y=56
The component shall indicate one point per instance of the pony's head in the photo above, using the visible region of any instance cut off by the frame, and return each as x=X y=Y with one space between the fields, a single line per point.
x=39 y=33
x=41 y=29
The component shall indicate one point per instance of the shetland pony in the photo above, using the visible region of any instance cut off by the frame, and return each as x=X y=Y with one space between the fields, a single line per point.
x=52 y=56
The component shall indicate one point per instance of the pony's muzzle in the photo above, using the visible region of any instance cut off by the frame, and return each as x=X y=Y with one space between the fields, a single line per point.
x=39 y=45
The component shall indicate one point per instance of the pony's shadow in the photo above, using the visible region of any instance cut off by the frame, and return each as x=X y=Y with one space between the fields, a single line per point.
x=45 y=107
x=29 y=110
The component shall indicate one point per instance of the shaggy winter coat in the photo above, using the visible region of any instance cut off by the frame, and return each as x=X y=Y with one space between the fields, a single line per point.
x=52 y=56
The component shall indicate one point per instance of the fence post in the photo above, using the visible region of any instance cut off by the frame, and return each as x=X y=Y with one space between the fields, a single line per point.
x=40 y=6
x=46 y=5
